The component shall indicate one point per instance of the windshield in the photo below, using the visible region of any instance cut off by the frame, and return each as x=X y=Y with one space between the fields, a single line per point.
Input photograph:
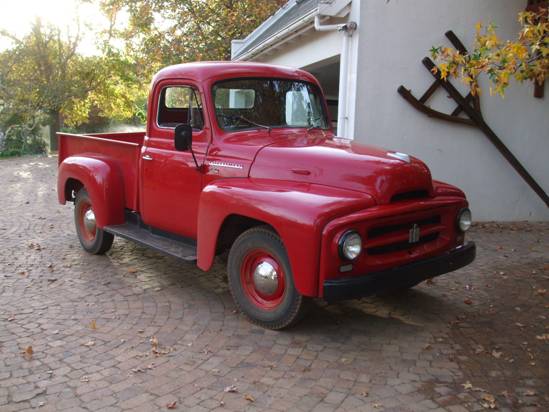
x=268 y=103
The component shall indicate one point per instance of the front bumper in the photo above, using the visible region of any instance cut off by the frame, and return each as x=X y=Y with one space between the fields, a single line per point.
x=399 y=277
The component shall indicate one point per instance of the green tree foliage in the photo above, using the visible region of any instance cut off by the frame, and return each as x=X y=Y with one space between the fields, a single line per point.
x=44 y=80
x=43 y=76
x=21 y=139
x=163 y=32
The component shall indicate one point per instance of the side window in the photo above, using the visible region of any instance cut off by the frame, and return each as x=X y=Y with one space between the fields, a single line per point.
x=180 y=104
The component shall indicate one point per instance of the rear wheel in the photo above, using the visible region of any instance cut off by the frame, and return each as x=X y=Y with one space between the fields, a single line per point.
x=261 y=280
x=93 y=239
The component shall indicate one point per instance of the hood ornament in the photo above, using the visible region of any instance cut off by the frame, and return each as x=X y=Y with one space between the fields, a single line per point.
x=400 y=156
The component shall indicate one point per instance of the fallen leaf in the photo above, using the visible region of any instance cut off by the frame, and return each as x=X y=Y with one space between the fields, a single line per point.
x=132 y=270
x=496 y=354
x=488 y=397
x=28 y=352
x=171 y=405
x=93 y=325
x=249 y=398
x=467 y=385
x=488 y=401
x=479 y=349
x=230 y=389
x=468 y=301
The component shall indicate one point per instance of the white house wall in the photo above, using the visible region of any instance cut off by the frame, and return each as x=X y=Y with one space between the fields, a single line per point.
x=305 y=50
x=394 y=36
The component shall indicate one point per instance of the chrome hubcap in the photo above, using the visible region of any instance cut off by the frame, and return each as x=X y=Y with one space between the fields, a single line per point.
x=266 y=278
x=89 y=220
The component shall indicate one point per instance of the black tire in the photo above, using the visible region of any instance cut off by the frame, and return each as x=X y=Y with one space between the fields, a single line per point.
x=290 y=307
x=96 y=242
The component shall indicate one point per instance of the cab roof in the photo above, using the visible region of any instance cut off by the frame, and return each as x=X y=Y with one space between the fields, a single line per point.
x=201 y=71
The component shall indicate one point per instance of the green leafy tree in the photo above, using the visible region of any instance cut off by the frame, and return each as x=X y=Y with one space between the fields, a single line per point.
x=163 y=32
x=43 y=76
x=43 y=79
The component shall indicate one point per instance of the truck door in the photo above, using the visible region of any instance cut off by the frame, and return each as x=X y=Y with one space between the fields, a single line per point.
x=170 y=183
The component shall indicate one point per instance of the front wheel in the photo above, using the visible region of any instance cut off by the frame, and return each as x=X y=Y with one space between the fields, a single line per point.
x=93 y=239
x=261 y=280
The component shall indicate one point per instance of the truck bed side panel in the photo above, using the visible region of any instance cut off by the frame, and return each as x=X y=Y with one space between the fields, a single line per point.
x=120 y=150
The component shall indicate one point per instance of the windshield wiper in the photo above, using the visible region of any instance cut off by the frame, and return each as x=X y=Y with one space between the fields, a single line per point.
x=240 y=117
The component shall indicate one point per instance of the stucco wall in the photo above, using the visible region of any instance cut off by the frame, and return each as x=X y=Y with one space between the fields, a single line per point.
x=307 y=49
x=394 y=37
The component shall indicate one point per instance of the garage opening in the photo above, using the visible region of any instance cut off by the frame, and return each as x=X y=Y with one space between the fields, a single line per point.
x=327 y=73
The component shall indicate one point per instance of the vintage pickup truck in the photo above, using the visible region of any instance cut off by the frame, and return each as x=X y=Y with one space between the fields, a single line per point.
x=241 y=157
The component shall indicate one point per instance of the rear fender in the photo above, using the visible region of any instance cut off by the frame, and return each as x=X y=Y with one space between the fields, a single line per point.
x=297 y=211
x=102 y=181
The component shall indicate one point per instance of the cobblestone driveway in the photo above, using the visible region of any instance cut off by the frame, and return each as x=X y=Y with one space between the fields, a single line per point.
x=472 y=340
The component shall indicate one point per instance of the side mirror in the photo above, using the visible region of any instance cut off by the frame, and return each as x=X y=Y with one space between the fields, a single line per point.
x=183 y=137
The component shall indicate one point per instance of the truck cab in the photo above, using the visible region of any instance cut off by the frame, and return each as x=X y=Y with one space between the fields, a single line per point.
x=240 y=158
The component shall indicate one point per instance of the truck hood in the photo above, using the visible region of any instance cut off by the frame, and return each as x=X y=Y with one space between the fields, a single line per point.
x=343 y=164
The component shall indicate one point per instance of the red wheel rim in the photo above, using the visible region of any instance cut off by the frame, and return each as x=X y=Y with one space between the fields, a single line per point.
x=264 y=292
x=87 y=233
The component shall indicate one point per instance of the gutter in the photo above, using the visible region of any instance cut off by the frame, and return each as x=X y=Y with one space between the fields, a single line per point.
x=288 y=33
x=347 y=29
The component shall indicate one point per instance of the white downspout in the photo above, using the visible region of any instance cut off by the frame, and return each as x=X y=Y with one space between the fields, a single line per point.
x=348 y=29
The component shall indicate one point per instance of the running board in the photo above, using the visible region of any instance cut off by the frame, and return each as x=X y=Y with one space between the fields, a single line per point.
x=165 y=244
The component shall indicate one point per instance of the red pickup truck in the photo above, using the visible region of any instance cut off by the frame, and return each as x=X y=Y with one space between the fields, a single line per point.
x=241 y=157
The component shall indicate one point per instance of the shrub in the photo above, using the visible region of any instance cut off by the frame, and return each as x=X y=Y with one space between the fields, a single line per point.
x=20 y=140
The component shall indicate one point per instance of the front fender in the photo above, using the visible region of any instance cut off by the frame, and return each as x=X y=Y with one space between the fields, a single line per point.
x=103 y=182
x=297 y=211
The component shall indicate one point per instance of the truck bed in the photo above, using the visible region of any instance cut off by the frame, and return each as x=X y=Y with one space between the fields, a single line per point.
x=120 y=150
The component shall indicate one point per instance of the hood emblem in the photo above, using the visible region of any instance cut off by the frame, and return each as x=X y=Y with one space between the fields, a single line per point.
x=414 y=234
x=400 y=156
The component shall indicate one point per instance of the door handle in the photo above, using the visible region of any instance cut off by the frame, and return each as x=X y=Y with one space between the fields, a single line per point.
x=147 y=157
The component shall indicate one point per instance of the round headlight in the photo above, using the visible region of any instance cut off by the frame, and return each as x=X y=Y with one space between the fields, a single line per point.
x=464 y=220
x=350 y=245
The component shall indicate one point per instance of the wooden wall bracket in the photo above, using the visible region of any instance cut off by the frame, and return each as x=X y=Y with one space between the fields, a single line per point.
x=470 y=105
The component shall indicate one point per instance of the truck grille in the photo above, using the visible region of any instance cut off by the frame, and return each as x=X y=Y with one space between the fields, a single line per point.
x=396 y=237
x=396 y=247
x=414 y=195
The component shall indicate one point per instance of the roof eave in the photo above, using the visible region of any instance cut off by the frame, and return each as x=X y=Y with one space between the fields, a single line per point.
x=297 y=26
